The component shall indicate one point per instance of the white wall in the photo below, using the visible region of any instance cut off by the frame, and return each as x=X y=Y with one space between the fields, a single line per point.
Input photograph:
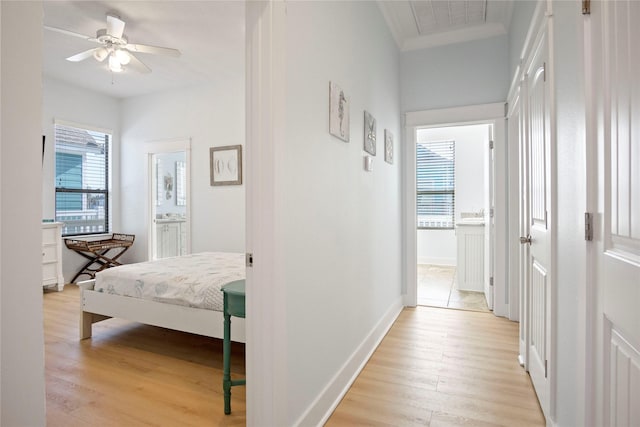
x=339 y=227
x=211 y=115
x=520 y=19
x=62 y=101
x=439 y=246
x=455 y=75
x=22 y=354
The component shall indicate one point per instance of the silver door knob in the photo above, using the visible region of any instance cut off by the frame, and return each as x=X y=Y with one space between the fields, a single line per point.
x=524 y=240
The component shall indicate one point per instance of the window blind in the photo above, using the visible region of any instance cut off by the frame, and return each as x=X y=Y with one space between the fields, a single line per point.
x=82 y=180
x=435 y=182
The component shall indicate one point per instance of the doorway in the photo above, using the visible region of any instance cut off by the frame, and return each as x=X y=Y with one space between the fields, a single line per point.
x=453 y=227
x=169 y=233
x=500 y=288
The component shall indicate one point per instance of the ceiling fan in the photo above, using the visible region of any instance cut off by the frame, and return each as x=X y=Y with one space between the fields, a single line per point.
x=115 y=46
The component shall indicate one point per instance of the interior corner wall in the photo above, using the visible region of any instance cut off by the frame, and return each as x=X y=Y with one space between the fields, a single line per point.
x=211 y=115
x=70 y=103
x=21 y=321
x=339 y=226
x=520 y=21
x=455 y=75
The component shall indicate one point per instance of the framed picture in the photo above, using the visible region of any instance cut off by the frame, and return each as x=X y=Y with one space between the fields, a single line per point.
x=338 y=112
x=388 y=146
x=369 y=134
x=226 y=165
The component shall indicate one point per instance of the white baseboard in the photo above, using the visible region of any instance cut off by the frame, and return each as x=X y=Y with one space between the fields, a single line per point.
x=437 y=261
x=323 y=406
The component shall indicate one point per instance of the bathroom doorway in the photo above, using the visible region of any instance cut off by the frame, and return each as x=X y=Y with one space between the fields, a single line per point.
x=169 y=233
x=453 y=210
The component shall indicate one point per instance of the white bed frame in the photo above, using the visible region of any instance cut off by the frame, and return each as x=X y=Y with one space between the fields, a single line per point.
x=98 y=306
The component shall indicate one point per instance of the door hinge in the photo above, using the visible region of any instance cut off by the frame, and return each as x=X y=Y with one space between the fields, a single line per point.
x=544 y=71
x=490 y=145
x=506 y=109
x=249 y=259
x=545 y=368
x=491 y=213
x=491 y=281
x=588 y=226
x=586 y=7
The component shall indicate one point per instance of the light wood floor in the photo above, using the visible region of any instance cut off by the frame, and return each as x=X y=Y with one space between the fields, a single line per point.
x=133 y=375
x=435 y=367
x=443 y=367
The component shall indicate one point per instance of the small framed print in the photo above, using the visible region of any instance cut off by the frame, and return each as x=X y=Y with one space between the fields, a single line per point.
x=388 y=146
x=369 y=134
x=338 y=112
x=226 y=165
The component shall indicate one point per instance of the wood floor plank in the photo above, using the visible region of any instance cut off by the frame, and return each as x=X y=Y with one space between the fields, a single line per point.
x=472 y=356
x=435 y=367
x=133 y=375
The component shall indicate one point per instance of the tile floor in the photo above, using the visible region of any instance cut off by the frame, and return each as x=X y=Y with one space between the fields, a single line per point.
x=437 y=287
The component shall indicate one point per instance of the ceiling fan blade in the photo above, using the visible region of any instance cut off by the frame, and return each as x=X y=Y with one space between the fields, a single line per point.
x=115 y=26
x=143 y=48
x=138 y=65
x=82 y=55
x=70 y=33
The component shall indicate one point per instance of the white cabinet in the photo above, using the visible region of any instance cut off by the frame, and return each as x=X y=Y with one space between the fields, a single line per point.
x=171 y=238
x=470 y=256
x=52 y=255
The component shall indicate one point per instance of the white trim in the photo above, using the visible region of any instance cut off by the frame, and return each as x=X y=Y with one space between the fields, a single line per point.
x=159 y=147
x=82 y=126
x=455 y=115
x=326 y=402
x=536 y=23
x=493 y=114
x=484 y=31
x=266 y=326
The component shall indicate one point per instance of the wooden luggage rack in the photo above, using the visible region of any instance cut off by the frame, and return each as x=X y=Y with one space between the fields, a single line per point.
x=98 y=252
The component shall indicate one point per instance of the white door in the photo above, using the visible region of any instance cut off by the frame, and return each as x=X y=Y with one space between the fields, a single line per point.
x=489 y=233
x=517 y=136
x=539 y=209
x=616 y=97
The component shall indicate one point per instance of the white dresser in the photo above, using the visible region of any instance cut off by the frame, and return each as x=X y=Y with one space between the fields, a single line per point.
x=52 y=255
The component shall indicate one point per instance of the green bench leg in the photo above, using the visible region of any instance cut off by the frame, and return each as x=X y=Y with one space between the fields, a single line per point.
x=226 y=355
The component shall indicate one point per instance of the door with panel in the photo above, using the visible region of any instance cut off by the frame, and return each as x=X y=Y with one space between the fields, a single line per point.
x=538 y=254
x=615 y=139
x=517 y=137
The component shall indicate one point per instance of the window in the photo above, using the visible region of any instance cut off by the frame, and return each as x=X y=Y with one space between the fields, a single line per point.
x=82 y=180
x=435 y=166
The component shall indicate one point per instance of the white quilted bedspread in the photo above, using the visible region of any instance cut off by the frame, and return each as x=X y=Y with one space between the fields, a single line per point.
x=191 y=280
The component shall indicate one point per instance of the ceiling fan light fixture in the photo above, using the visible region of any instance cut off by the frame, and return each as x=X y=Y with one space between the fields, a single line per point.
x=123 y=56
x=114 y=64
x=101 y=54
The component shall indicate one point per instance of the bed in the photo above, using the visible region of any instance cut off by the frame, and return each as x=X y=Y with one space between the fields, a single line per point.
x=181 y=293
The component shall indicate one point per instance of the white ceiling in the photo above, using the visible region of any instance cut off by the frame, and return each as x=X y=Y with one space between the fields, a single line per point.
x=210 y=35
x=419 y=24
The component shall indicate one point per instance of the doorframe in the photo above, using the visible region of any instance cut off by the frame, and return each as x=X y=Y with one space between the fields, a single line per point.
x=474 y=114
x=161 y=147
x=266 y=322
